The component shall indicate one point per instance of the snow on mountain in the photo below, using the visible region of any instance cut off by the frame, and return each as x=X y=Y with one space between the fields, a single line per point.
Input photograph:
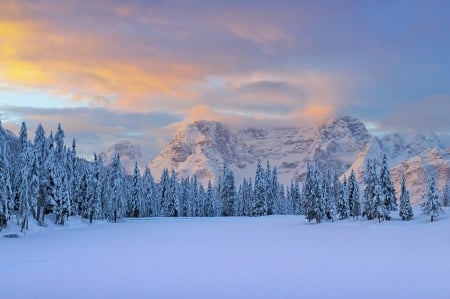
x=417 y=155
x=201 y=148
x=129 y=154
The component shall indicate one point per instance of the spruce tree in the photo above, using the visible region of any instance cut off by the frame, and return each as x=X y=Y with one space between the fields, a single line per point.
x=296 y=198
x=387 y=188
x=312 y=197
x=150 y=203
x=116 y=190
x=209 y=201
x=228 y=192
x=353 y=196
x=259 y=194
x=431 y=205
x=405 y=209
x=135 y=201
x=6 y=195
x=343 y=211
x=371 y=196
x=446 y=196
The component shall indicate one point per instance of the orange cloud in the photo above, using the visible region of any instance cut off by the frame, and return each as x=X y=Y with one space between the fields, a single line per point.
x=88 y=67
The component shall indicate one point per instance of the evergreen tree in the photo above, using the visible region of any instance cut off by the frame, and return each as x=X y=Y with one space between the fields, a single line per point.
x=135 y=201
x=446 y=196
x=328 y=196
x=6 y=195
x=387 y=188
x=41 y=151
x=259 y=197
x=270 y=192
x=116 y=190
x=405 y=211
x=296 y=198
x=343 y=211
x=431 y=205
x=312 y=197
x=172 y=196
x=371 y=196
x=382 y=213
x=209 y=201
x=353 y=196
x=228 y=192
x=59 y=141
x=150 y=203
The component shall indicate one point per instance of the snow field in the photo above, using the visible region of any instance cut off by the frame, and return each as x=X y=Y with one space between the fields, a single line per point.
x=232 y=257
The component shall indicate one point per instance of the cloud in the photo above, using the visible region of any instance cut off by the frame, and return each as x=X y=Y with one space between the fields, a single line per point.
x=431 y=113
x=95 y=129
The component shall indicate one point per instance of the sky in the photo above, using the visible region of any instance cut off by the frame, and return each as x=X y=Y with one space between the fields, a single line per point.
x=112 y=70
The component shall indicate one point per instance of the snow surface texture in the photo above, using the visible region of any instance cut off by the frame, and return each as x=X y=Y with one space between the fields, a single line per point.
x=261 y=257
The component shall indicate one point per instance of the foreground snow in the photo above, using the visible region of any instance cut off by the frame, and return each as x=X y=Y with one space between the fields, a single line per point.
x=266 y=257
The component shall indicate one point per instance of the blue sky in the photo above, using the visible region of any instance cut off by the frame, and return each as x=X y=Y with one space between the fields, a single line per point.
x=109 y=70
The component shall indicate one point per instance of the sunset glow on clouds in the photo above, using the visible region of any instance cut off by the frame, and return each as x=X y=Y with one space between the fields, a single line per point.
x=163 y=62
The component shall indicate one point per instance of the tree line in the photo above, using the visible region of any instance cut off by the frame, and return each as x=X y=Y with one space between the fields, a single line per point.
x=43 y=176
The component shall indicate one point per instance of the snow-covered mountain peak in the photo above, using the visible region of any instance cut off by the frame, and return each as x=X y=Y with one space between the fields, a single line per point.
x=129 y=154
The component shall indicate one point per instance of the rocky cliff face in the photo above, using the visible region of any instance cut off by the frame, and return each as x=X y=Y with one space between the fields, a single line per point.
x=201 y=148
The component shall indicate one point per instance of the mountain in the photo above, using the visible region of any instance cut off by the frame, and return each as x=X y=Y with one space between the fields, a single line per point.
x=416 y=155
x=202 y=148
x=129 y=154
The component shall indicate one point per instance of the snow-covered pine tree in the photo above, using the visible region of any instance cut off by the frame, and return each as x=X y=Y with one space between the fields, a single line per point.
x=197 y=201
x=23 y=182
x=209 y=201
x=270 y=193
x=6 y=195
x=290 y=209
x=296 y=198
x=431 y=205
x=41 y=149
x=239 y=204
x=201 y=198
x=405 y=209
x=369 y=204
x=164 y=189
x=228 y=192
x=172 y=196
x=59 y=142
x=282 y=202
x=342 y=209
x=134 y=203
x=150 y=204
x=382 y=213
x=259 y=193
x=446 y=196
x=185 y=200
x=353 y=196
x=116 y=190
x=62 y=200
x=387 y=188
x=328 y=195
x=275 y=190
x=312 y=197
x=34 y=187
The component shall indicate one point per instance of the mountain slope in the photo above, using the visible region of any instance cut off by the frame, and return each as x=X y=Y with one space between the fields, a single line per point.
x=201 y=148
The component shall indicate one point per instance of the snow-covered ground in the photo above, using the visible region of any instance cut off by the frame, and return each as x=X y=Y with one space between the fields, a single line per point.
x=266 y=257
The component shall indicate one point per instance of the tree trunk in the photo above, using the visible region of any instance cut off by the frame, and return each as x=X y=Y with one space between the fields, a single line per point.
x=115 y=216
x=38 y=212
x=91 y=217
x=432 y=218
